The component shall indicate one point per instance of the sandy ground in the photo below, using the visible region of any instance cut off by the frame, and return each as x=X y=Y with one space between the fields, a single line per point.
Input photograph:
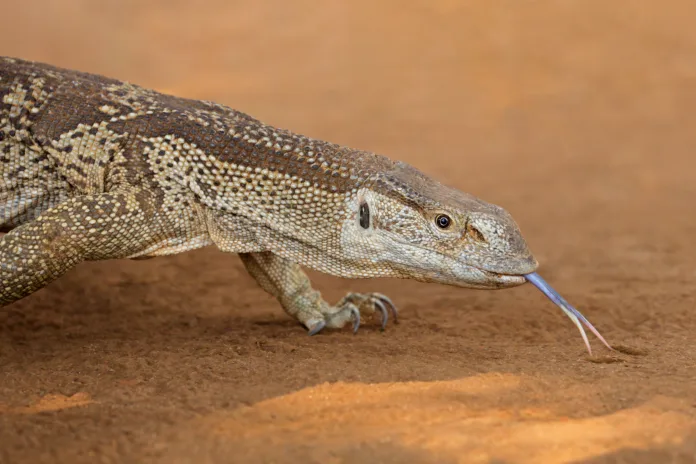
x=577 y=116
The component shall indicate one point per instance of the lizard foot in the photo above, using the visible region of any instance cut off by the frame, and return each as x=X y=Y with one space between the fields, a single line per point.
x=351 y=307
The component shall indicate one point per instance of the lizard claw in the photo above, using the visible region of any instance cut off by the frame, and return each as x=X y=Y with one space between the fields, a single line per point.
x=317 y=328
x=351 y=309
x=383 y=310
x=385 y=300
x=356 y=318
x=368 y=303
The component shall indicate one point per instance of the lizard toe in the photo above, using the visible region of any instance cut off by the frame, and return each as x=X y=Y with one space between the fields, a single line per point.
x=385 y=300
x=369 y=303
x=385 y=313
x=356 y=318
x=351 y=309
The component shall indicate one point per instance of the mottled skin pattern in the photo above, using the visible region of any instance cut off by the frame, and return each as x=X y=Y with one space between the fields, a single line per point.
x=93 y=168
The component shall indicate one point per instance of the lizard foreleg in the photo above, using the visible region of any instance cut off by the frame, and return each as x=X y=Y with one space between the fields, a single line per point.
x=287 y=282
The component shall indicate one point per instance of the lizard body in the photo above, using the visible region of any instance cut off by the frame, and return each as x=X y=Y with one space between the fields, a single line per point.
x=93 y=168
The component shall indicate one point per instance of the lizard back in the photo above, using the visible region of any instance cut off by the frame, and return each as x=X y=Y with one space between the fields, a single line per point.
x=67 y=133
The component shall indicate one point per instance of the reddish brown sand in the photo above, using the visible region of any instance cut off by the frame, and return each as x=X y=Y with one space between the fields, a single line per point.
x=578 y=117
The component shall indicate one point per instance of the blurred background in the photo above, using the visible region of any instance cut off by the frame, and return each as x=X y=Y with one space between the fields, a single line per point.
x=578 y=117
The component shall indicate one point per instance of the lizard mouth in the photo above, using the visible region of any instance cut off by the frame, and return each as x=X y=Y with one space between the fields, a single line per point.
x=503 y=280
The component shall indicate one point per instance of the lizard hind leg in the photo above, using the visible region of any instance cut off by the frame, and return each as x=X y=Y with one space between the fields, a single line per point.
x=286 y=281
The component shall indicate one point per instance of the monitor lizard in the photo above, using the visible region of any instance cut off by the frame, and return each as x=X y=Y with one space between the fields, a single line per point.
x=95 y=168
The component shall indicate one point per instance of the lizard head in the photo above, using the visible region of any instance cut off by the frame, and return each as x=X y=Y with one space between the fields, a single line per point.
x=408 y=225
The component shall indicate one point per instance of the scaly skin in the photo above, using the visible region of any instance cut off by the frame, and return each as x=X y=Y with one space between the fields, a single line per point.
x=93 y=168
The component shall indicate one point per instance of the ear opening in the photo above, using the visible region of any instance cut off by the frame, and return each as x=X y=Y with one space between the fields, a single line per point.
x=364 y=214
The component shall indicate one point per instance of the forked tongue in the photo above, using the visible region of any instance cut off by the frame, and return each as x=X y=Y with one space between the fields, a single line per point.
x=574 y=315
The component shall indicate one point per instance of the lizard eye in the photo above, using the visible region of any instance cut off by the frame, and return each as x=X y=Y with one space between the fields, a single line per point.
x=364 y=216
x=443 y=221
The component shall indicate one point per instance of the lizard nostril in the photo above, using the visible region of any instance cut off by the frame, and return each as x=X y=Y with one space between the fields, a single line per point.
x=474 y=233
